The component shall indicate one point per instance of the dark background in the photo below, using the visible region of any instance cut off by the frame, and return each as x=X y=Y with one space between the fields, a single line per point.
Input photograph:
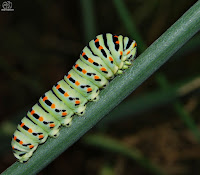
x=39 y=43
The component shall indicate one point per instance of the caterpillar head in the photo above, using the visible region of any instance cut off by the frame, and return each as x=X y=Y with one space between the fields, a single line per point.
x=130 y=48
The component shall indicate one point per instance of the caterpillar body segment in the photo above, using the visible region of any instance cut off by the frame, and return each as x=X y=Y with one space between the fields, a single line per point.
x=25 y=147
x=96 y=63
x=130 y=47
x=82 y=85
x=91 y=74
x=73 y=99
x=98 y=47
x=57 y=108
x=105 y=56
x=32 y=130
x=44 y=119
x=115 y=46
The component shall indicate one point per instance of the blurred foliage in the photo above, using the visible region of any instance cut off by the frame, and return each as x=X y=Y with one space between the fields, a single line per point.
x=41 y=40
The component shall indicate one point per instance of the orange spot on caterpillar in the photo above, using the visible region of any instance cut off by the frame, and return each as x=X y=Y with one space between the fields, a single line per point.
x=41 y=119
x=64 y=113
x=31 y=146
x=30 y=130
x=117 y=42
x=13 y=147
x=77 y=102
x=21 y=142
x=121 y=52
x=53 y=106
x=15 y=137
x=52 y=125
x=100 y=47
x=83 y=53
x=116 y=36
x=66 y=94
x=22 y=125
x=89 y=89
x=40 y=136
x=134 y=44
x=77 y=83
x=76 y=66
x=127 y=52
x=97 y=40
x=58 y=86
x=90 y=60
x=103 y=69
x=68 y=76
x=84 y=71
x=96 y=77
x=32 y=112
x=45 y=98
x=110 y=58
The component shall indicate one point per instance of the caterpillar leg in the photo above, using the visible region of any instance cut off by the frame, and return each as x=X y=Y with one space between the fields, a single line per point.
x=96 y=98
x=119 y=72
x=128 y=63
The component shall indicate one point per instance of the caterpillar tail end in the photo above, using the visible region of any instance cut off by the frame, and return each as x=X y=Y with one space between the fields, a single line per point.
x=25 y=157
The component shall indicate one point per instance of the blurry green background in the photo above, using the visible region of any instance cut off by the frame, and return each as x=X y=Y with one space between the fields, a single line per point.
x=41 y=40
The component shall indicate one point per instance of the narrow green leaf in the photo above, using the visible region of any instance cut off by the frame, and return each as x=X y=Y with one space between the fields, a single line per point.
x=126 y=19
x=88 y=18
x=179 y=108
x=115 y=146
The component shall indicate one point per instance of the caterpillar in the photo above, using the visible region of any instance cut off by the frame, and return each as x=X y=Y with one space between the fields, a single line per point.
x=103 y=58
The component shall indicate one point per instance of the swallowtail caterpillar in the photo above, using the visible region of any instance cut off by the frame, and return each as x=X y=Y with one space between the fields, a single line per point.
x=105 y=57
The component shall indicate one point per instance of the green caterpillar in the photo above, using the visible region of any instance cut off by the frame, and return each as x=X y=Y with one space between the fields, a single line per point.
x=104 y=57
